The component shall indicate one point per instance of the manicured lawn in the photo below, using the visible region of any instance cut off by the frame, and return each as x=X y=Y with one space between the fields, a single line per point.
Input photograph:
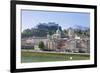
x=27 y=57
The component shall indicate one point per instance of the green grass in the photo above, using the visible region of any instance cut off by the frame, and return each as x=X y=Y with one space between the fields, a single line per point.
x=27 y=57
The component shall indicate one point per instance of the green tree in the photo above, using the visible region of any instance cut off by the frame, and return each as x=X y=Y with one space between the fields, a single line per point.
x=41 y=45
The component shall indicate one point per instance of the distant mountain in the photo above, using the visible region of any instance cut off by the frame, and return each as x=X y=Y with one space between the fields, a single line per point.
x=80 y=27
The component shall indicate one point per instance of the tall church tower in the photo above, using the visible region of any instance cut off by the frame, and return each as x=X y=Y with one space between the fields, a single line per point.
x=58 y=33
x=71 y=33
x=48 y=36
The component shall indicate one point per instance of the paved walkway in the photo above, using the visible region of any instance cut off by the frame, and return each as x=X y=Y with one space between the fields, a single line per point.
x=54 y=52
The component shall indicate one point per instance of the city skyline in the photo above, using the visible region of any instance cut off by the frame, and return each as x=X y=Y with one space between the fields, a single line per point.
x=31 y=18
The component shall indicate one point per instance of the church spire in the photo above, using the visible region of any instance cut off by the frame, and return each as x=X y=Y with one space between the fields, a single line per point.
x=48 y=35
x=58 y=30
x=58 y=33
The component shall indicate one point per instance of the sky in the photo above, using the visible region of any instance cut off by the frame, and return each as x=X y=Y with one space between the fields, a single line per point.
x=31 y=18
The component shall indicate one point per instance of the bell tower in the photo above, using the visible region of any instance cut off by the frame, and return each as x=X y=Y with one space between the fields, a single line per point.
x=48 y=35
x=58 y=33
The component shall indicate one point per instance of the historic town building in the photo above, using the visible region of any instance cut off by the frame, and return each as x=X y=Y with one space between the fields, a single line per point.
x=55 y=42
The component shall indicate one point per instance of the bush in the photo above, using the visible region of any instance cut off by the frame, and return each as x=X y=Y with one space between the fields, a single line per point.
x=41 y=45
